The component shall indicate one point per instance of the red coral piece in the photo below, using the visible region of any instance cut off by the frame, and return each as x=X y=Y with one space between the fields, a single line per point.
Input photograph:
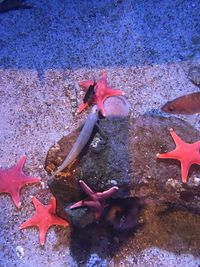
x=13 y=179
x=44 y=218
x=187 y=154
x=96 y=200
x=102 y=92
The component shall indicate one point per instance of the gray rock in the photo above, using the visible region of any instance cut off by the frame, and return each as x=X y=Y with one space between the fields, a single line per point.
x=128 y=157
x=161 y=179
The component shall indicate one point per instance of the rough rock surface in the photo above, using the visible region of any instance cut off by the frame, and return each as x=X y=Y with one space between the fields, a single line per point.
x=103 y=163
x=161 y=179
x=127 y=158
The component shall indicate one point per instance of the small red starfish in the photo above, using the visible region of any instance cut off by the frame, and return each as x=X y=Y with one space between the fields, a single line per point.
x=13 y=179
x=102 y=92
x=96 y=200
x=187 y=154
x=44 y=218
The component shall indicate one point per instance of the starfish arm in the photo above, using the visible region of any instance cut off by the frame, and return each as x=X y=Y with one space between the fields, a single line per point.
x=12 y=190
x=101 y=92
x=177 y=140
x=169 y=155
x=77 y=205
x=197 y=148
x=106 y=194
x=45 y=225
x=2 y=184
x=33 y=222
x=13 y=179
x=28 y=180
x=56 y=220
x=86 y=203
x=185 y=166
x=86 y=188
x=104 y=75
x=52 y=205
x=16 y=198
x=36 y=202
x=85 y=84
x=95 y=205
x=20 y=164
x=82 y=107
x=44 y=218
x=112 y=92
x=42 y=234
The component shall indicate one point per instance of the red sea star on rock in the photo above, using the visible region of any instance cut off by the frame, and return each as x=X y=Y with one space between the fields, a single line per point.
x=102 y=92
x=45 y=217
x=96 y=200
x=13 y=179
x=187 y=154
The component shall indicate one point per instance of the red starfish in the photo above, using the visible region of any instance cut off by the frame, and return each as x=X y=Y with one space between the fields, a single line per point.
x=187 y=154
x=45 y=218
x=13 y=179
x=96 y=200
x=102 y=91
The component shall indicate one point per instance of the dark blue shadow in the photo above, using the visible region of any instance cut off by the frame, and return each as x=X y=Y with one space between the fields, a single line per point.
x=75 y=34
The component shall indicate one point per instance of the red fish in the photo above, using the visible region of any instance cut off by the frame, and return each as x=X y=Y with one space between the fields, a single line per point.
x=187 y=104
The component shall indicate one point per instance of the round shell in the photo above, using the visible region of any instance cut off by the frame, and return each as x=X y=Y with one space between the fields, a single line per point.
x=116 y=106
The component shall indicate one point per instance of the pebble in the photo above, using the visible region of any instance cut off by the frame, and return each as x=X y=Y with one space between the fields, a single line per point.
x=173 y=183
x=20 y=252
x=114 y=182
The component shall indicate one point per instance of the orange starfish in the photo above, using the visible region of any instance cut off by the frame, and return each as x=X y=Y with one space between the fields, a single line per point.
x=96 y=200
x=101 y=92
x=45 y=217
x=187 y=154
x=13 y=179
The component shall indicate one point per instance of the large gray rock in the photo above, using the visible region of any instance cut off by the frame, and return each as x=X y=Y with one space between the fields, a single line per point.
x=125 y=155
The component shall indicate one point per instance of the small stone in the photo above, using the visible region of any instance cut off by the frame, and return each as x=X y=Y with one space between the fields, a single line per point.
x=20 y=252
x=41 y=167
x=56 y=147
x=197 y=181
x=43 y=185
x=194 y=181
x=114 y=182
x=95 y=142
x=173 y=183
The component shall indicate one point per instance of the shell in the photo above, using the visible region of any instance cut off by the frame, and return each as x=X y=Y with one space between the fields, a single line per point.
x=116 y=106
